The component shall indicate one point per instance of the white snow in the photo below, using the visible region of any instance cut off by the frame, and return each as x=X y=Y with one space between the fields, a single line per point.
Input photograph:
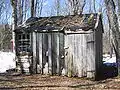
x=7 y=61
x=107 y=59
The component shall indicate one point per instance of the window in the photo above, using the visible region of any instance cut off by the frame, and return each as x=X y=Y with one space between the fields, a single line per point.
x=24 y=42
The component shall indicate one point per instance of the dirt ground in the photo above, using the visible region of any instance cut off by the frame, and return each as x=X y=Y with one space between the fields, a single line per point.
x=45 y=82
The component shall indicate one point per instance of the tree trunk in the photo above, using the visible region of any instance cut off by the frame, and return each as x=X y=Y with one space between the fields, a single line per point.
x=119 y=13
x=110 y=5
x=20 y=11
x=32 y=8
x=14 y=15
x=77 y=6
x=58 y=7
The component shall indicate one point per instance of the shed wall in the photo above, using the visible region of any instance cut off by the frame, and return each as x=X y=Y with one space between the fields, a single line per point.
x=48 y=49
x=78 y=54
x=91 y=55
x=80 y=51
x=34 y=59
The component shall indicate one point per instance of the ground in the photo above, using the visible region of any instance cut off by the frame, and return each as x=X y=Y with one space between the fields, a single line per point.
x=45 y=82
x=13 y=81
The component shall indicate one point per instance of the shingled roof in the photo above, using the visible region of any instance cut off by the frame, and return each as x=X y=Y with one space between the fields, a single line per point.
x=71 y=22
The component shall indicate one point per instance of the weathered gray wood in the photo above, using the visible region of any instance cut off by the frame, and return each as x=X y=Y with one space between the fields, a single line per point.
x=34 y=64
x=90 y=56
x=80 y=53
x=40 y=52
x=57 y=50
x=37 y=53
x=49 y=54
x=76 y=55
x=66 y=53
x=84 y=46
x=75 y=69
x=61 y=52
x=70 y=54
x=55 y=53
x=78 y=32
x=83 y=54
x=44 y=50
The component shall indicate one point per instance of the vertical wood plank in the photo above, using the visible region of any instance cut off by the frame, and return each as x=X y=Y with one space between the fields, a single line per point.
x=70 y=54
x=79 y=54
x=40 y=53
x=44 y=50
x=75 y=70
x=90 y=56
x=61 y=52
x=57 y=50
x=66 y=53
x=34 y=64
x=84 y=60
x=37 y=53
x=55 y=53
x=49 y=54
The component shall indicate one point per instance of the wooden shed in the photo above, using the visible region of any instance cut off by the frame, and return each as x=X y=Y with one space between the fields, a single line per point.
x=69 y=45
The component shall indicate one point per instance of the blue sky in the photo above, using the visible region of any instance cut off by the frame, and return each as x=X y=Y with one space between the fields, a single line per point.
x=6 y=12
x=48 y=9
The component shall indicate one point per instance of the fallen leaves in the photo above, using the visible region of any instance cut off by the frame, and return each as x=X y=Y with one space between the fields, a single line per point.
x=55 y=82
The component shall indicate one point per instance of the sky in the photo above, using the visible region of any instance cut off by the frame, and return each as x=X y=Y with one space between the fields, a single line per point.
x=48 y=9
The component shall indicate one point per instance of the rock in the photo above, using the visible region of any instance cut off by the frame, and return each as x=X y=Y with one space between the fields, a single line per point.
x=45 y=70
x=63 y=72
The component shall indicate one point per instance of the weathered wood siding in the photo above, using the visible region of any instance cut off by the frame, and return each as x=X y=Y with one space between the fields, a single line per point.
x=55 y=53
x=91 y=55
x=79 y=54
x=75 y=55
x=34 y=59
x=40 y=57
x=48 y=48
x=61 y=52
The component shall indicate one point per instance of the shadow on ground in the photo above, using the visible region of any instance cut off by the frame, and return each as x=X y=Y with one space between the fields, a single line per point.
x=106 y=72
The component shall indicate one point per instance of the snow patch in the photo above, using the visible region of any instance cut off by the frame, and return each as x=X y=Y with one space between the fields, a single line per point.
x=7 y=61
x=110 y=60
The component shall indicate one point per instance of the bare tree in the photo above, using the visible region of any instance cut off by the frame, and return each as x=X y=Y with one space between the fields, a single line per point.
x=26 y=12
x=94 y=6
x=14 y=16
x=32 y=8
x=90 y=6
x=118 y=4
x=110 y=6
x=5 y=31
x=57 y=5
x=20 y=11
x=38 y=7
x=5 y=37
x=77 y=6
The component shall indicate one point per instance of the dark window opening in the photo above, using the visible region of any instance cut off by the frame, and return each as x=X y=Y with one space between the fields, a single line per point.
x=24 y=43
